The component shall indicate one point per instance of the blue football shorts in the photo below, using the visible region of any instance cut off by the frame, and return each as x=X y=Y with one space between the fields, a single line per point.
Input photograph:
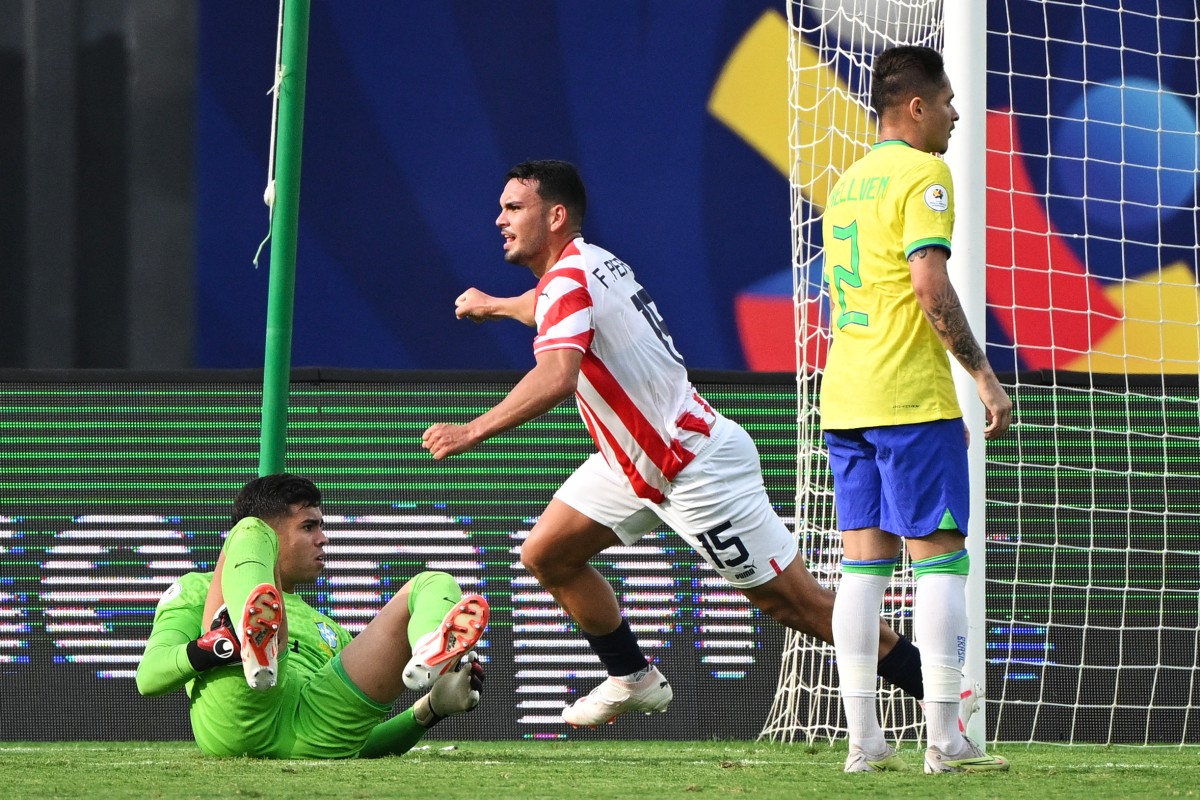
x=909 y=480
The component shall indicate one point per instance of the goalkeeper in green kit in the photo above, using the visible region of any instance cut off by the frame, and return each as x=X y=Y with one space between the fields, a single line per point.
x=267 y=675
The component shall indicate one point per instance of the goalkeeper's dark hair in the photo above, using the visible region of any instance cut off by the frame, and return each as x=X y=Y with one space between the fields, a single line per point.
x=901 y=73
x=272 y=496
x=557 y=182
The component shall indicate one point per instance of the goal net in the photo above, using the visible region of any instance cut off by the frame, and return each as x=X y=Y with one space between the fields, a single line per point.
x=1091 y=594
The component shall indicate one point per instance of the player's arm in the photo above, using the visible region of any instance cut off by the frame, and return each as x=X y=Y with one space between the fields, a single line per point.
x=174 y=655
x=939 y=301
x=480 y=307
x=551 y=381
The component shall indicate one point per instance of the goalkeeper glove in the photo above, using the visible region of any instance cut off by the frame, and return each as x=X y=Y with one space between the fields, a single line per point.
x=456 y=693
x=218 y=647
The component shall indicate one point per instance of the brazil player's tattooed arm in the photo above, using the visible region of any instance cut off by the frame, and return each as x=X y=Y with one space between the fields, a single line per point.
x=942 y=308
x=939 y=301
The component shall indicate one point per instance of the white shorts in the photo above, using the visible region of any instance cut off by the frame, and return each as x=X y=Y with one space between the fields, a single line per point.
x=717 y=504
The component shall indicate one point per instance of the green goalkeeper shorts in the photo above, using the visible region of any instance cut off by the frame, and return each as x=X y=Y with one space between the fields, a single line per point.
x=320 y=714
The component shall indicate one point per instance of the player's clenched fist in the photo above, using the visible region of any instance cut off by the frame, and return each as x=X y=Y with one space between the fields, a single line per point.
x=480 y=307
x=476 y=306
x=443 y=440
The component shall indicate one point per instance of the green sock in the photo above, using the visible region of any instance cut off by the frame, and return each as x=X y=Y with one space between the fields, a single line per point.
x=393 y=737
x=430 y=598
x=251 y=550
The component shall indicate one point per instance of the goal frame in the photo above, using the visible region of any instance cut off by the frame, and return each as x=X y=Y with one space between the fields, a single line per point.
x=1076 y=263
x=965 y=32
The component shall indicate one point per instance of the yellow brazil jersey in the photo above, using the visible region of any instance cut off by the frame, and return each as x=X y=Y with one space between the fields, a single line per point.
x=886 y=365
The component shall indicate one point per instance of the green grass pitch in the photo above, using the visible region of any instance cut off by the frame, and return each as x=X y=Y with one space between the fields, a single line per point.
x=582 y=770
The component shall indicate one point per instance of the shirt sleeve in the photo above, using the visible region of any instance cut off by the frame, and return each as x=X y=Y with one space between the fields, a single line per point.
x=165 y=665
x=564 y=312
x=928 y=207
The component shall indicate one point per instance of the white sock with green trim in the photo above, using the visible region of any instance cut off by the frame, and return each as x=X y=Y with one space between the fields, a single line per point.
x=940 y=625
x=856 y=637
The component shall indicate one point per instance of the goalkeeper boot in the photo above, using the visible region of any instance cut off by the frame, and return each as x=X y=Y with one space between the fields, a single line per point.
x=970 y=700
x=860 y=761
x=438 y=652
x=259 y=636
x=971 y=759
x=615 y=696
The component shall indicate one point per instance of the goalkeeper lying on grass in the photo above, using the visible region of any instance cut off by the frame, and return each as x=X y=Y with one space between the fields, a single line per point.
x=323 y=694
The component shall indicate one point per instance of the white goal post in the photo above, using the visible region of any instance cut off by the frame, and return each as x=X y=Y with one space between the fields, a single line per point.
x=1075 y=164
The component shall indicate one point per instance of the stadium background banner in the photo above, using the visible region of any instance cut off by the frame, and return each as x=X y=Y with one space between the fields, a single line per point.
x=415 y=111
x=111 y=490
x=113 y=484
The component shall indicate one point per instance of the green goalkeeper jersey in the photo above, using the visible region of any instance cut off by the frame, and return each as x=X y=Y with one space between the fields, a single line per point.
x=226 y=716
x=313 y=638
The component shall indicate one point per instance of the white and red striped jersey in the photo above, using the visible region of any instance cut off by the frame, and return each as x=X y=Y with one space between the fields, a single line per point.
x=633 y=392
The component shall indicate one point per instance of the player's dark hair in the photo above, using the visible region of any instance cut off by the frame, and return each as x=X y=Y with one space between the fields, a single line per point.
x=557 y=182
x=272 y=496
x=901 y=73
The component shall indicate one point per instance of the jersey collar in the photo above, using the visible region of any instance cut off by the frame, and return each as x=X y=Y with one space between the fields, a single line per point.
x=890 y=142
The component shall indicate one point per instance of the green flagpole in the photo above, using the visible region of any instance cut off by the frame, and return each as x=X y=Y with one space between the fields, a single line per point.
x=290 y=134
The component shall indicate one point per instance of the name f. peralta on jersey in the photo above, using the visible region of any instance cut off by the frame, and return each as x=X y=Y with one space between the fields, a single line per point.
x=634 y=394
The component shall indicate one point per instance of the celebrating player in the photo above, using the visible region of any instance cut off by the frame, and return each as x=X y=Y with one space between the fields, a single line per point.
x=326 y=695
x=888 y=406
x=664 y=454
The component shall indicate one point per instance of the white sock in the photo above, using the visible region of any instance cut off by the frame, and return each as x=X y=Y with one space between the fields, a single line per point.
x=856 y=643
x=940 y=625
